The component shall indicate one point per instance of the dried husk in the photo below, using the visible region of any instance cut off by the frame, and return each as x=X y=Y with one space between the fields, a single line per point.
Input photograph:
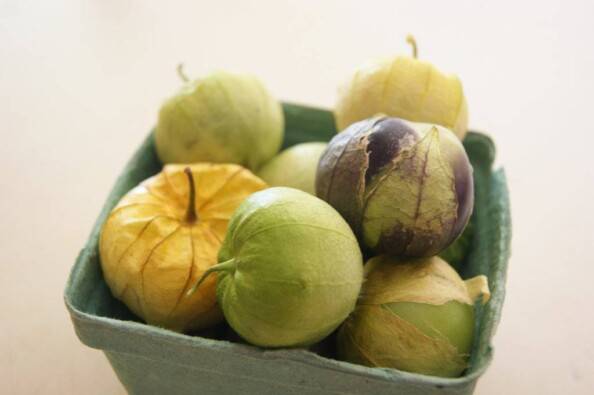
x=377 y=335
x=152 y=252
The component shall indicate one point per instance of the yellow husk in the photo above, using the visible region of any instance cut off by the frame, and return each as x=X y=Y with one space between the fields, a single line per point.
x=403 y=87
x=478 y=287
x=151 y=254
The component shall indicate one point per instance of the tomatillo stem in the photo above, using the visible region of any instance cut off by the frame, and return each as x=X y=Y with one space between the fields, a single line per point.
x=411 y=40
x=181 y=73
x=226 y=266
x=191 y=215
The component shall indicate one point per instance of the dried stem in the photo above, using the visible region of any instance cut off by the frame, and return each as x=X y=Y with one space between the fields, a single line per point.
x=181 y=73
x=411 y=40
x=191 y=215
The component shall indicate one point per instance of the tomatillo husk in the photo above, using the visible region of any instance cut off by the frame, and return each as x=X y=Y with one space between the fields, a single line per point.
x=406 y=188
x=223 y=118
x=164 y=234
x=403 y=87
x=290 y=269
x=413 y=316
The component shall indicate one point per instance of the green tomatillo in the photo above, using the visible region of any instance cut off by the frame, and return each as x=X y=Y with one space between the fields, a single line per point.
x=294 y=167
x=290 y=269
x=221 y=118
x=416 y=316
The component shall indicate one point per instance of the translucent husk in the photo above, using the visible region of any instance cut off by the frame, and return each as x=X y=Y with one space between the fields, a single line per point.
x=429 y=280
x=404 y=87
x=415 y=196
x=164 y=234
x=380 y=338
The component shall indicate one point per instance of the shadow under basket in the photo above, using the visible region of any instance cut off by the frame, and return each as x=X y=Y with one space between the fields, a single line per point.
x=151 y=360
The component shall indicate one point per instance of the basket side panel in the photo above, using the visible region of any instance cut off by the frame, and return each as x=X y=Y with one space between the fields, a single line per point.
x=219 y=375
x=86 y=291
x=489 y=252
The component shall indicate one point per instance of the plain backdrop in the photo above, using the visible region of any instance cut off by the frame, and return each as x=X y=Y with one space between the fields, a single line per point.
x=81 y=83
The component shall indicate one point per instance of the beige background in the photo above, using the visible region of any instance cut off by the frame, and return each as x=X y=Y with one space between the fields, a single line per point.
x=81 y=83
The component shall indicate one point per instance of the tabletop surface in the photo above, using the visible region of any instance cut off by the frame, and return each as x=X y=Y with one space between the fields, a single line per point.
x=81 y=83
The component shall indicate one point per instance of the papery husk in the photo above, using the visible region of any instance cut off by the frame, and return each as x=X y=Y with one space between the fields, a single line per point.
x=412 y=208
x=291 y=269
x=426 y=280
x=151 y=253
x=349 y=168
x=403 y=87
x=405 y=188
x=379 y=338
x=222 y=118
x=478 y=287
x=375 y=335
x=341 y=168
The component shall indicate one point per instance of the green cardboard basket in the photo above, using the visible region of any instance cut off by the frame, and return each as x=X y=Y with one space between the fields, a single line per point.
x=151 y=360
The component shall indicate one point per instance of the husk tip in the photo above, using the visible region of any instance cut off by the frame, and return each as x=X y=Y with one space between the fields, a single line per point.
x=478 y=287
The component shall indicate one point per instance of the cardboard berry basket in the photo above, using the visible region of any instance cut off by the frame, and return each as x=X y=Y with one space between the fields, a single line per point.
x=151 y=360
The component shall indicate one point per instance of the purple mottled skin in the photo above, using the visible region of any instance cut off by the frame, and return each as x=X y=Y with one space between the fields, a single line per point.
x=367 y=152
x=464 y=185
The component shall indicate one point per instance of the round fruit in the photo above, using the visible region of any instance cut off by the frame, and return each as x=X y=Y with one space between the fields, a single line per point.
x=294 y=167
x=416 y=316
x=290 y=270
x=164 y=234
x=222 y=118
x=405 y=188
x=403 y=87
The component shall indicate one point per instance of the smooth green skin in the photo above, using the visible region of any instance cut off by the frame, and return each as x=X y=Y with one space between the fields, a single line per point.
x=222 y=118
x=453 y=321
x=293 y=269
x=294 y=167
